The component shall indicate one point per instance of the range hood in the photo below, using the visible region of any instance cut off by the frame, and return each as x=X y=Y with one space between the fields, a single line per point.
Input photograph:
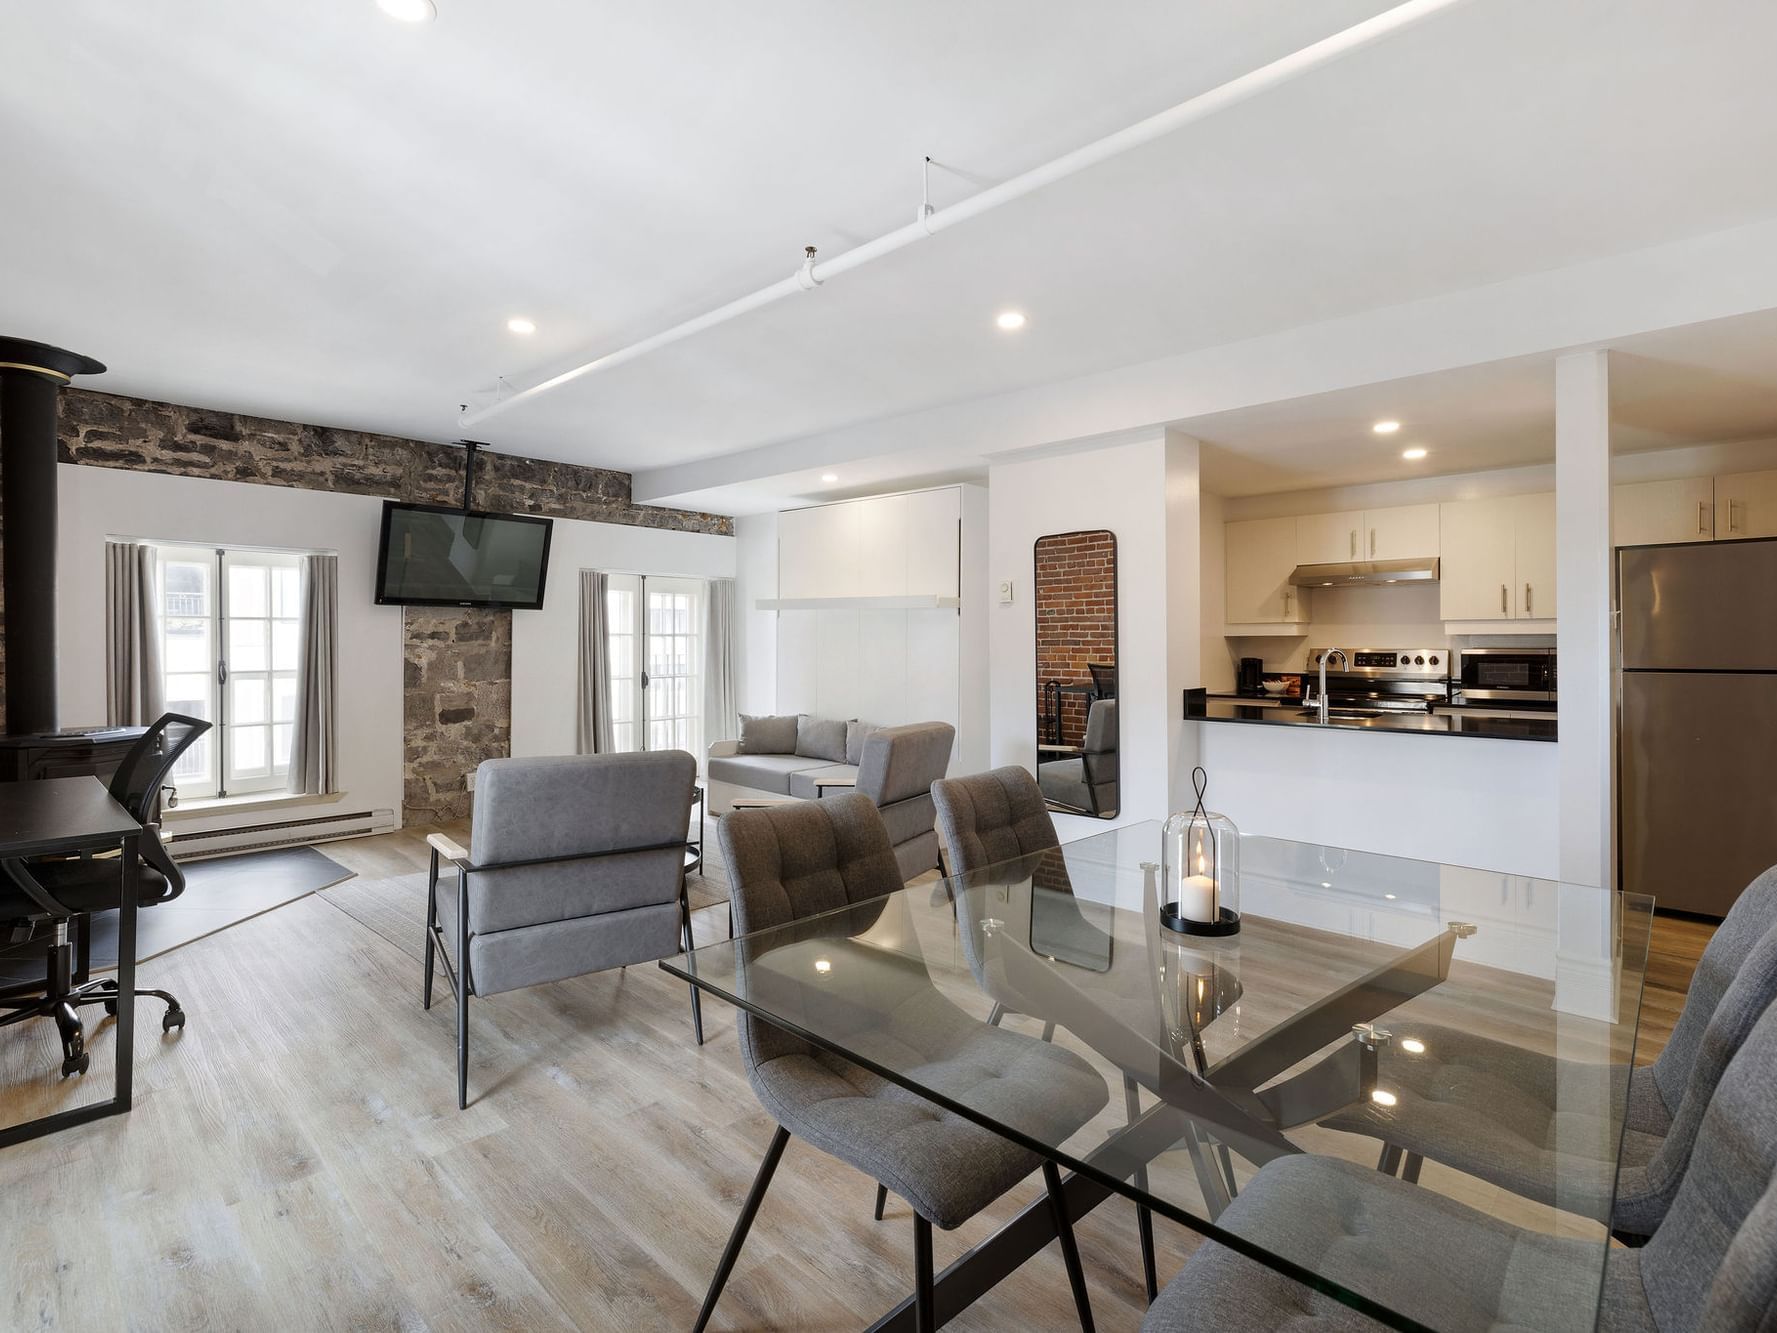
x=1365 y=573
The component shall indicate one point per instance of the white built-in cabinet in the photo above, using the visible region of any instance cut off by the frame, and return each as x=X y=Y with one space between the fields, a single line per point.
x=885 y=546
x=1261 y=555
x=1746 y=505
x=1327 y=539
x=1652 y=513
x=1498 y=558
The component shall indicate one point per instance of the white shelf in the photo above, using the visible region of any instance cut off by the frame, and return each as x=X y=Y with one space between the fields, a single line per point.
x=1294 y=629
x=931 y=602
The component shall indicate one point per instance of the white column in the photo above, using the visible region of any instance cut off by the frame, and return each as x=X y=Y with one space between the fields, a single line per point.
x=1583 y=617
x=1585 y=982
x=1183 y=609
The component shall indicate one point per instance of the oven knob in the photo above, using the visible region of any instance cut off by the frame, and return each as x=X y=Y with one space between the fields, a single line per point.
x=1419 y=661
x=1434 y=660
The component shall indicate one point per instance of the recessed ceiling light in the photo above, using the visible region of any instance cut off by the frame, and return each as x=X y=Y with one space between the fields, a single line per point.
x=1414 y=454
x=1010 y=320
x=1386 y=427
x=519 y=324
x=409 y=11
x=829 y=476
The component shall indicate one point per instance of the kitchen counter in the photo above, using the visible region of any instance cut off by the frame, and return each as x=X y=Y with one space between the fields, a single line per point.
x=1289 y=713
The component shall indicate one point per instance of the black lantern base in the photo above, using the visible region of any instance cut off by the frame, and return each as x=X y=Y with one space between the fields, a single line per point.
x=1227 y=924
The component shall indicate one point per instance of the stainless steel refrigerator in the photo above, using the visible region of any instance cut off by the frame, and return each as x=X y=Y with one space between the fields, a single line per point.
x=1697 y=750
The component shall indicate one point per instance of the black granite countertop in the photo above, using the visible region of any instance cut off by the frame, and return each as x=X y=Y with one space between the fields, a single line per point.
x=1204 y=709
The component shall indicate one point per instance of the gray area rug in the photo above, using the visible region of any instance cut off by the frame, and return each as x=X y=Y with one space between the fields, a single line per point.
x=220 y=892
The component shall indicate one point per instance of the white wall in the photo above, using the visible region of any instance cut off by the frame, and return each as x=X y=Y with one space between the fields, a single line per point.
x=1490 y=804
x=544 y=643
x=755 y=576
x=97 y=503
x=1121 y=487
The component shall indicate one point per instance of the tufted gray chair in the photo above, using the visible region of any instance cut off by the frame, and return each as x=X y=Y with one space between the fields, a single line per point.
x=790 y=863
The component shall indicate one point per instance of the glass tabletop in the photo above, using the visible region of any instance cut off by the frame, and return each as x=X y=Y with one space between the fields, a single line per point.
x=1361 y=992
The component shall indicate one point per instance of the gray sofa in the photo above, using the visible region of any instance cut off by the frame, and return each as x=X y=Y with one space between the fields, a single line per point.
x=794 y=758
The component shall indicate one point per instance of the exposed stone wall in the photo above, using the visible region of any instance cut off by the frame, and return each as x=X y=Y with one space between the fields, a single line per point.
x=458 y=697
x=1076 y=604
x=457 y=705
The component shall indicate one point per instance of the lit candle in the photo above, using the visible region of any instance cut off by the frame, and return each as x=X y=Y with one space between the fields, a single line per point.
x=1197 y=898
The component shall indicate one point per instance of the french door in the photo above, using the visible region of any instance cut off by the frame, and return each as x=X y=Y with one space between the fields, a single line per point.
x=654 y=630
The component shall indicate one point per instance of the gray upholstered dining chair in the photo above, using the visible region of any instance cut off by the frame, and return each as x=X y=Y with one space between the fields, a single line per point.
x=788 y=863
x=993 y=825
x=1488 y=1108
x=1088 y=781
x=1712 y=1264
x=575 y=864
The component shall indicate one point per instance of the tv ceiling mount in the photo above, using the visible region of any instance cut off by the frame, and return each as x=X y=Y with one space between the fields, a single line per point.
x=470 y=448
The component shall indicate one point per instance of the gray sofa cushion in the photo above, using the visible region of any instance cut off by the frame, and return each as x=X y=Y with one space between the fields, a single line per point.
x=767 y=735
x=761 y=772
x=820 y=738
x=802 y=782
x=856 y=733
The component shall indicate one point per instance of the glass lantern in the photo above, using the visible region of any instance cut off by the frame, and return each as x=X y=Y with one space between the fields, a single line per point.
x=1199 y=984
x=1200 y=870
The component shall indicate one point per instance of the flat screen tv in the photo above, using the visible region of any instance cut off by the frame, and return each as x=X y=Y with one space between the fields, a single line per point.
x=433 y=556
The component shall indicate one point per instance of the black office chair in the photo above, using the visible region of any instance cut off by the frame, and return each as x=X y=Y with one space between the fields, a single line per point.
x=1104 y=679
x=66 y=892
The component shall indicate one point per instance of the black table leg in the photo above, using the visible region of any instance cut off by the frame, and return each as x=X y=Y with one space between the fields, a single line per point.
x=125 y=1031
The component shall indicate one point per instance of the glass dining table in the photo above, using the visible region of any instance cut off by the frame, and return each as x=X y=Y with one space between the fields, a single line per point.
x=1232 y=1052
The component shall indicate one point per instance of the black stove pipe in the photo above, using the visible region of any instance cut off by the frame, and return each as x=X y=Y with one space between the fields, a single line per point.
x=31 y=378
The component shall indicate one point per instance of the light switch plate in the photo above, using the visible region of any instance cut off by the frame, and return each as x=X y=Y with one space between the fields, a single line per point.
x=1005 y=592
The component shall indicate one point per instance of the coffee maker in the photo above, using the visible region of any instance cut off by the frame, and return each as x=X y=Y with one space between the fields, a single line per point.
x=1250 y=678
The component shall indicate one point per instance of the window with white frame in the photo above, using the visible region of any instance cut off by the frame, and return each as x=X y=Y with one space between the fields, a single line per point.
x=654 y=650
x=231 y=626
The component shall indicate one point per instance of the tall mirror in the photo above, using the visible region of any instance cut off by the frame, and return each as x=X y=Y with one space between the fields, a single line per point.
x=1075 y=590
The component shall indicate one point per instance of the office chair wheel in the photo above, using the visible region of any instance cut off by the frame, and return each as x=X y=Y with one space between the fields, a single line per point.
x=76 y=1064
x=173 y=1018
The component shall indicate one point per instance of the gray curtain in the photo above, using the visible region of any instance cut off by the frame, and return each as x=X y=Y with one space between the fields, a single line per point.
x=134 y=696
x=592 y=710
x=314 y=742
x=721 y=700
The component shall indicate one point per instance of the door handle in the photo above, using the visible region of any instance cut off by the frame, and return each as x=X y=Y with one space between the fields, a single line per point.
x=1354 y=543
x=1733 y=523
x=1529 y=604
x=1372 y=543
x=1702 y=518
x=1504 y=593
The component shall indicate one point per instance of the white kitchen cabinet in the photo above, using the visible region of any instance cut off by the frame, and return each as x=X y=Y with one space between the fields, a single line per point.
x=1746 y=505
x=1261 y=554
x=1406 y=532
x=1650 y=513
x=1329 y=539
x=1533 y=541
x=1497 y=558
x=1478 y=562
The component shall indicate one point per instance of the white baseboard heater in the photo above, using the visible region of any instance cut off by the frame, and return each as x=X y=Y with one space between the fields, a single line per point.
x=278 y=833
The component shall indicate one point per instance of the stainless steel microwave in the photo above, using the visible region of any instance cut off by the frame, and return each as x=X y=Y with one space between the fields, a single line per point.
x=1505 y=675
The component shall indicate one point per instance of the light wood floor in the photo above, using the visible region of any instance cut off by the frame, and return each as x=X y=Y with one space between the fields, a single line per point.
x=295 y=1158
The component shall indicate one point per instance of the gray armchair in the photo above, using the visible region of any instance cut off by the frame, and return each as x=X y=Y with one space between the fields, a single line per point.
x=897 y=770
x=788 y=863
x=1488 y=1108
x=1087 y=780
x=574 y=865
x=1711 y=1265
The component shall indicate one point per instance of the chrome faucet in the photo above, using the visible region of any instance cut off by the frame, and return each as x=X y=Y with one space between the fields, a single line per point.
x=1344 y=662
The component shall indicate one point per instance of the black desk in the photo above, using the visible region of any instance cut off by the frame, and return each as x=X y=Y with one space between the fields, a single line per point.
x=67 y=816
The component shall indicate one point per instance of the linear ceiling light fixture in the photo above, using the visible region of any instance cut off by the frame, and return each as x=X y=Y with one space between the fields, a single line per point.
x=929 y=221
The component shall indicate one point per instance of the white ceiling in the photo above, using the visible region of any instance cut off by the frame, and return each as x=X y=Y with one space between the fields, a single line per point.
x=1703 y=383
x=310 y=211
